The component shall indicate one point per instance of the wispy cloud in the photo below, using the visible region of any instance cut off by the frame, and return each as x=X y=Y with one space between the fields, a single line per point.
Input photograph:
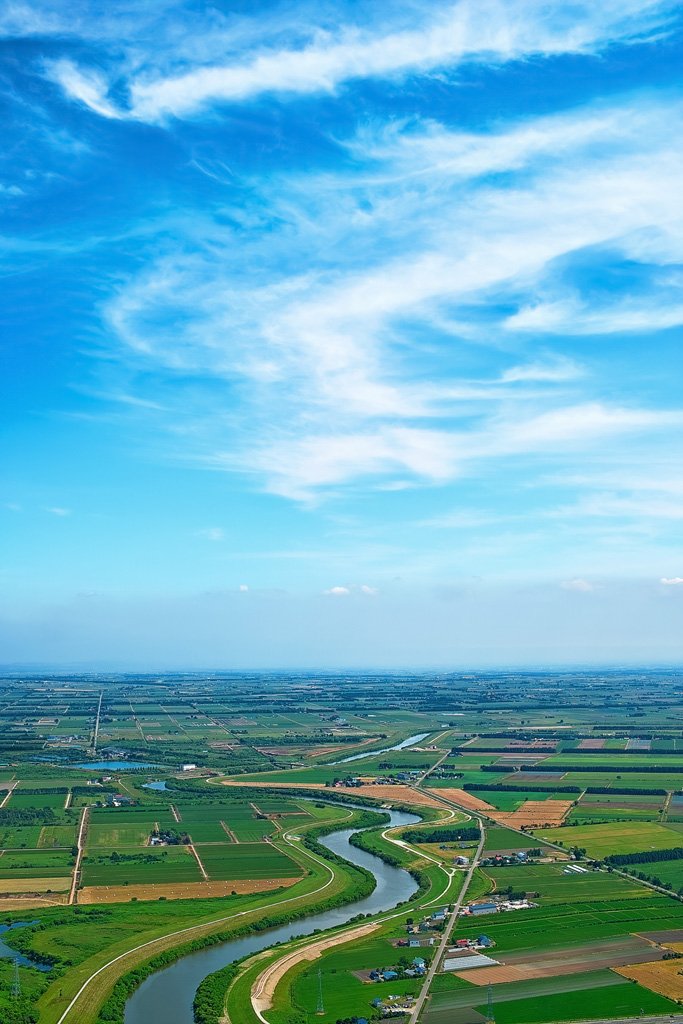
x=59 y=511
x=439 y=37
x=215 y=533
x=580 y=585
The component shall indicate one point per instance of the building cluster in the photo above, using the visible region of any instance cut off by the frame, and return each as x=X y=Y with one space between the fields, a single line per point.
x=496 y=906
x=505 y=860
x=354 y=781
x=118 y=800
x=418 y=968
x=434 y=921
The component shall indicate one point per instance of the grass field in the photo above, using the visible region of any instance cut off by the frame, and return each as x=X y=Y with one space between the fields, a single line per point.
x=246 y=860
x=554 y=886
x=36 y=864
x=620 y=837
x=57 y=835
x=170 y=864
x=121 y=835
x=617 y=837
x=611 y=1001
x=506 y=839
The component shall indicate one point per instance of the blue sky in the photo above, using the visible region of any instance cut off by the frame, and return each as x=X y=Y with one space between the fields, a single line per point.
x=341 y=334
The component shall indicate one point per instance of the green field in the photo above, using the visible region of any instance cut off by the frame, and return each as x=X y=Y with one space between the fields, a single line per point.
x=511 y=998
x=619 y=837
x=556 y=887
x=36 y=864
x=507 y=839
x=57 y=835
x=246 y=860
x=620 y=1000
x=169 y=864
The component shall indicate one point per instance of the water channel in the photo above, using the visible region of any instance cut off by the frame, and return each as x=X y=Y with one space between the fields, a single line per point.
x=168 y=994
x=385 y=750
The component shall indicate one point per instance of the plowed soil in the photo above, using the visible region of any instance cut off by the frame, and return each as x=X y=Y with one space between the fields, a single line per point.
x=462 y=797
x=180 y=891
x=392 y=794
x=577 y=963
x=536 y=814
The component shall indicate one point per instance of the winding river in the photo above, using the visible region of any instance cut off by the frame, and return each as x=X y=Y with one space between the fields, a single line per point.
x=168 y=994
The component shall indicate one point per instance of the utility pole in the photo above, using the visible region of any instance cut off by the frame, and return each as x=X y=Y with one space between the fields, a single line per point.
x=490 y=1019
x=16 y=984
x=320 y=1009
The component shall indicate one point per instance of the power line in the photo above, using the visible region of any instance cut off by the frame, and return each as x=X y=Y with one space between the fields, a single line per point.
x=320 y=1009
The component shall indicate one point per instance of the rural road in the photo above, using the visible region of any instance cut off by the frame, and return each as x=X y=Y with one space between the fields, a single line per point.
x=436 y=959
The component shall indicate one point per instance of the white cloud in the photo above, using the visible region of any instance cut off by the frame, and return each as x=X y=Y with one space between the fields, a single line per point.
x=440 y=37
x=87 y=86
x=243 y=588
x=675 y=581
x=561 y=369
x=370 y=591
x=577 y=585
x=215 y=533
x=59 y=511
x=337 y=591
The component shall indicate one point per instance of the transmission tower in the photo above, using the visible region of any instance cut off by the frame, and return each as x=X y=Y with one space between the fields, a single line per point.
x=490 y=1019
x=320 y=1009
x=16 y=984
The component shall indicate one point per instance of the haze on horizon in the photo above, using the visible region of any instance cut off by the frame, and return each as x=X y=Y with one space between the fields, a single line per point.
x=341 y=335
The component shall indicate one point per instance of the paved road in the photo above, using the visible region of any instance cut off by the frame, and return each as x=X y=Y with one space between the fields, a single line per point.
x=436 y=958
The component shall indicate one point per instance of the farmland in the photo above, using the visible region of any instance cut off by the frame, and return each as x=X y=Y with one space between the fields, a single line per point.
x=211 y=840
x=618 y=837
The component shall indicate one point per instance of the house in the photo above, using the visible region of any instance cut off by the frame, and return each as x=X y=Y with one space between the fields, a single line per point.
x=390 y=975
x=462 y=943
x=483 y=908
x=414 y=942
x=418 y=962
x=438 y=915
x=462 y=861
x=362 y=1020
x=423 y=926
x=374 y=976
x=521 y=855
x=483 y=940
x=376 y=1002
x=403 y=776
x=187 y=767
x=420 y=971
x=409 y=973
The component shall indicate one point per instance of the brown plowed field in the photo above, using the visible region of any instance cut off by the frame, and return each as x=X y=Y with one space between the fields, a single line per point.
x=392 y=794
x=546 y=967
x=591 y=744
x=176 y=891
x=462 y=797
x=536 y=814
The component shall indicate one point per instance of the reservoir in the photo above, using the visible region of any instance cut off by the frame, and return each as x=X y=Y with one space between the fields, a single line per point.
x=168 y=994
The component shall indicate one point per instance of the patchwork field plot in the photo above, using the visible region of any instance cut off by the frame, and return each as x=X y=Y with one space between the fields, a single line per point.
x=170 y=864
x=552 y=885
x=247 y=860
x=615 y=837
x=57 y=835
x=535 y=813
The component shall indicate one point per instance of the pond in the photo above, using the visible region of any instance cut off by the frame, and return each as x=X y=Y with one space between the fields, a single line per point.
x=6 y=950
